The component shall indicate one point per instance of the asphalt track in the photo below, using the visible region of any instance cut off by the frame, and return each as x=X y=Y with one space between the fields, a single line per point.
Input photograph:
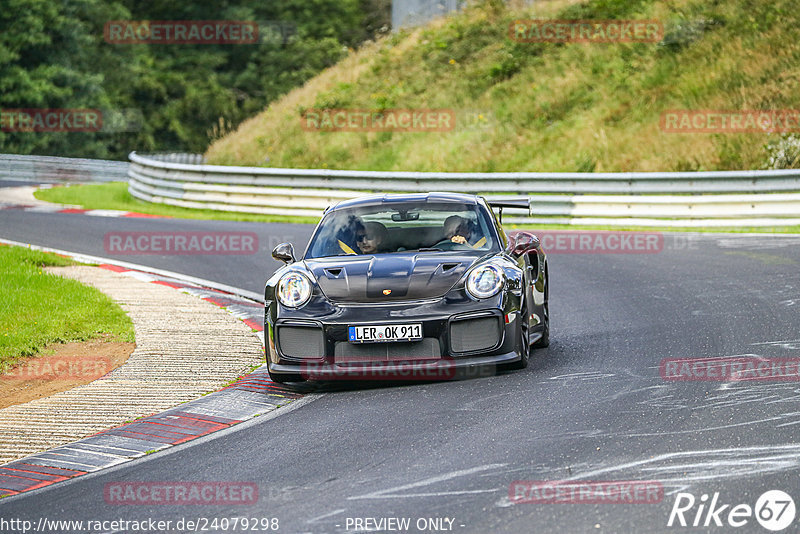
x=591 y=407
x=87 y=235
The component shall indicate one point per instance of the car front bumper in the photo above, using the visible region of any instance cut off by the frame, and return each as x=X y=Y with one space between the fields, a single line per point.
x=441 y=369
x=455 y=339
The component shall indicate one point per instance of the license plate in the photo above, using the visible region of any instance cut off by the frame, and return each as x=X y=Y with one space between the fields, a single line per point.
x=378 y=333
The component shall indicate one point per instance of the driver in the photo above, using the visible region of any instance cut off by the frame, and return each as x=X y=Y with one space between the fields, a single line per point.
x=372 y=238
x=460 y=230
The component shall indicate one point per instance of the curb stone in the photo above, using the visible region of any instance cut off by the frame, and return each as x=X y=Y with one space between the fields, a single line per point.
x=21 y=198
x=122 y=440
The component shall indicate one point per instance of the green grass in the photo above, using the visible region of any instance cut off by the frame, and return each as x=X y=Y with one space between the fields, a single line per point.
x=38 y=308
x=115 y=196
x=546 y=106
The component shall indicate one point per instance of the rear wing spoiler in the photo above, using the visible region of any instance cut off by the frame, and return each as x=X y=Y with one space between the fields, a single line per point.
x=522 y=203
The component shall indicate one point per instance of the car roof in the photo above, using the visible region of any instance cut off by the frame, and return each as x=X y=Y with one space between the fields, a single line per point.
x=371 y=200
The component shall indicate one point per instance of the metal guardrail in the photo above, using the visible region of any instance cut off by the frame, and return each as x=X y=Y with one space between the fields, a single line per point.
x=719 y=198
x=55 y=169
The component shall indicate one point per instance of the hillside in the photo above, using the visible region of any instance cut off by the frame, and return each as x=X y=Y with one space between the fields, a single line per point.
x=533 y=106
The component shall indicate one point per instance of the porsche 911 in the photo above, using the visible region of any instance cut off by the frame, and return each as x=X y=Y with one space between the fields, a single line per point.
x=406 y=282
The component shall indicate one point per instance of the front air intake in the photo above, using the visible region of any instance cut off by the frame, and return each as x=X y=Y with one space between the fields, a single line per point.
x=471 y=335
x=424 y=349
x=301 y=342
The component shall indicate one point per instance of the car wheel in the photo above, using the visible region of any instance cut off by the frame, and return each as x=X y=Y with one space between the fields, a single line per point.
x=524 y=344
x=544 y=341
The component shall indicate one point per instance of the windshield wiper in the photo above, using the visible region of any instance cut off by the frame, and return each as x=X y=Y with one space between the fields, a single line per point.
x=430 y=249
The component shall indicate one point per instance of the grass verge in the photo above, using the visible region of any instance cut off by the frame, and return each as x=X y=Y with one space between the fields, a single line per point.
x=38 y=308
x=115 y=196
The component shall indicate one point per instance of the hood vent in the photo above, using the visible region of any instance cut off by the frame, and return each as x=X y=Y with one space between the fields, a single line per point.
x=449 y=266
x=334 y=272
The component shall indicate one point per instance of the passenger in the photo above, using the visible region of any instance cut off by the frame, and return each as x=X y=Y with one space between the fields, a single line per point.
x=373 y=238
x=460 y=230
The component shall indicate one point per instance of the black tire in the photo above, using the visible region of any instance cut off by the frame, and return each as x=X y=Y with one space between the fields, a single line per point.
x=544 y=341
x=525 y=348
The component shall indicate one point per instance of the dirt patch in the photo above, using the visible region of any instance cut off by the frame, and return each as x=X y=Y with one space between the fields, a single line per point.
x=61 y=367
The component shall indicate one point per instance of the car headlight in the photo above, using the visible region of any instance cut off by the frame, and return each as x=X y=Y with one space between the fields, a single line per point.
x=485 y=281
x=294 y=290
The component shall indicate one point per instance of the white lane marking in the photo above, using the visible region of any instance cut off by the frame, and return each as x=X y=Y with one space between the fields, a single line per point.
x=788 y=344
x=384 y=494
x=588 y=375
x=504 y=502
x=788 y=424
x=735 y=453
x=433 y=494
x=702 y=465
x=324 y=516
x=698 y=430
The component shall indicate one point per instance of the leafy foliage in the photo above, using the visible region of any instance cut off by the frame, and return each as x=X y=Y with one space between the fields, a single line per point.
x=54 y=55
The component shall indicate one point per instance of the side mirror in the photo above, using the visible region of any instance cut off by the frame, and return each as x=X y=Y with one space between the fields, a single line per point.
x=284 y=252
x=522 y=243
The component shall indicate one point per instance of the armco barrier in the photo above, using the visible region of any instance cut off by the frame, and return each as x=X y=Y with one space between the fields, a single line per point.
x=54 y=169
x=719 y=198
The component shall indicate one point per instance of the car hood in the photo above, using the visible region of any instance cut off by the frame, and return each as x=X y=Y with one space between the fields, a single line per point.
x=389 y=277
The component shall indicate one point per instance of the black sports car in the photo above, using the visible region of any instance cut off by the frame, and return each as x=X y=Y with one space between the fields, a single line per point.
x=406 y=282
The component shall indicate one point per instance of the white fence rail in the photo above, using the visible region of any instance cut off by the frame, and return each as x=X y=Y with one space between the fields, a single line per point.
x=694 y=199
x=54 y=169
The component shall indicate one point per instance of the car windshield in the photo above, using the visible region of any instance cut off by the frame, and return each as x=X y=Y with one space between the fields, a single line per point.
x=400 y=227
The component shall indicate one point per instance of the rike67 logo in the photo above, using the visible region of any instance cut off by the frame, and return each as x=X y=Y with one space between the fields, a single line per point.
x=774 y=510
